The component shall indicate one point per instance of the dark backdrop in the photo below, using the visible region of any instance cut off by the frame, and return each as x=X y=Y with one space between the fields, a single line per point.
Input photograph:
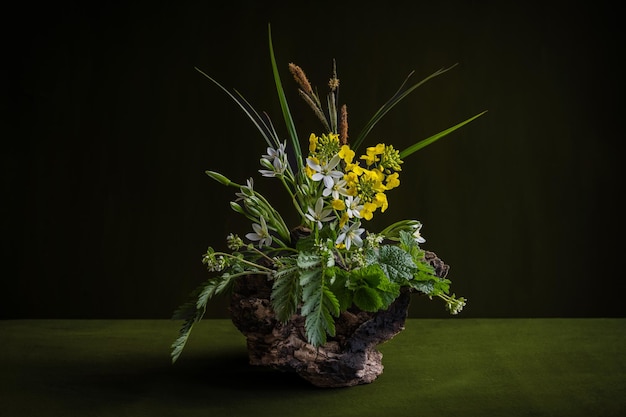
x=108 y=129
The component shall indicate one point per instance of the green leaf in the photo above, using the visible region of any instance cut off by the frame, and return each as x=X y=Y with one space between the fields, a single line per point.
x=369 y=276
x=338 y=279
x=395 y=99
x=286 y=290
x=291 y=128
x=397 y=264
x=368 y=299
x=331 y=303
x=425 y=142
x=270 y=138
x=306 y=243
x=388 y=292
x=318 y=306
x=425 y=287
x=366 y=281
x=191 y=312
x=309 y=260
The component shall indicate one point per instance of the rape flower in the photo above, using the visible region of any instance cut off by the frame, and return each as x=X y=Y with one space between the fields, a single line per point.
x=392 y=181
x=346 y=154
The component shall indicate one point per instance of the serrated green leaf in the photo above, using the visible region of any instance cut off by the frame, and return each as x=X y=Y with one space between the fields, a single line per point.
x=397 y=264
x=318 y=306
x=191 y=312
x=286 y=292
x=425 y=287
x=309 y=260
x=331 y=302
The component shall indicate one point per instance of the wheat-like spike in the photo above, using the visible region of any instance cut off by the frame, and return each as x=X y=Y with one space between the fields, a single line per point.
x=301 y=79
x=332 y=111
x=318 y=112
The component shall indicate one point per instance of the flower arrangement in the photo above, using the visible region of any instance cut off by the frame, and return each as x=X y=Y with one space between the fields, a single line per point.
x=330 y=261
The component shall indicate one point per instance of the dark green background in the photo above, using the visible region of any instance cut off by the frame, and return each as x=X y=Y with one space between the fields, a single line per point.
x=108 y=129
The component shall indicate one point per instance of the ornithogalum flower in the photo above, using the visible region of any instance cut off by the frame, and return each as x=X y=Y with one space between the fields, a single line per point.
x=319 y=215
x=351 y=234
x=261 y=233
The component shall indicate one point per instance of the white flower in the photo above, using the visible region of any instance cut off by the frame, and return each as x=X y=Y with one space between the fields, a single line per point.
x=416 y=233
x=279 y=153
x=261 y=233
x=325 y=173
x=339 y=188
x=319 y=214
x=275 y=159
x=246 y=190
x=351 y=233
x=353 y=208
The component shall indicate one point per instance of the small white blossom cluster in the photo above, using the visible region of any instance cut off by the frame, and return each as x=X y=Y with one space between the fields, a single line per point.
x=455 y=305
x=214 y=262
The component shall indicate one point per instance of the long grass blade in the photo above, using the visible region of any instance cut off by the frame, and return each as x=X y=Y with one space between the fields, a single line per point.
x=247 y=108
x=395 y=99
x=291 y=128
x=425 y=142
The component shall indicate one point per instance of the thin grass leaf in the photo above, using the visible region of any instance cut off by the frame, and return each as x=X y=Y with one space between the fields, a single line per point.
x=395 y=99
x=247 y=108
x=291 y=128
x=267 y=130
x=425 y=142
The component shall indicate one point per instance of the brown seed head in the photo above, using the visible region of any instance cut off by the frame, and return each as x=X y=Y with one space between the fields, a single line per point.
x=300 y=78
x=343 y=125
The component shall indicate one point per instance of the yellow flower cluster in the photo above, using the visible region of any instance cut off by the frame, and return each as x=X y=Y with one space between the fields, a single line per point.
x=365 y=184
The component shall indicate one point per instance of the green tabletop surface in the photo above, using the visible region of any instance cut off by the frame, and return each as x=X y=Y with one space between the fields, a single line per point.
x=435 y=367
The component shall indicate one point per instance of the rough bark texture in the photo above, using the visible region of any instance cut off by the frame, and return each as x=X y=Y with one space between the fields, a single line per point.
x=347 y=359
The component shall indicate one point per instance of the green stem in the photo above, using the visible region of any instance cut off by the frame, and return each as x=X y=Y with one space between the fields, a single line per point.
x=294 y=200
x=244 y=261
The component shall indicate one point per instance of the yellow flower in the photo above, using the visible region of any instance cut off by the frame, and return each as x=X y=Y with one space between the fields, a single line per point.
x=372 y=153
x=351 y=178
x=344 y=219
x=377 y=150
x=312 y=142
x=338 y=204
x=380 y=176
x=368 y=211
x=354 y=168
x=392 y=181
x=346 y=154
x=369 y=158
x=381 y=201
x=374 y=179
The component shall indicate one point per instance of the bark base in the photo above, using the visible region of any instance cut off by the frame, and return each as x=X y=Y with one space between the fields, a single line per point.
x=347 y=359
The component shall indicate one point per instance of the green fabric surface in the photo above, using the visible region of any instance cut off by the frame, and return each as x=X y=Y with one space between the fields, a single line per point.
x=435 y=367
